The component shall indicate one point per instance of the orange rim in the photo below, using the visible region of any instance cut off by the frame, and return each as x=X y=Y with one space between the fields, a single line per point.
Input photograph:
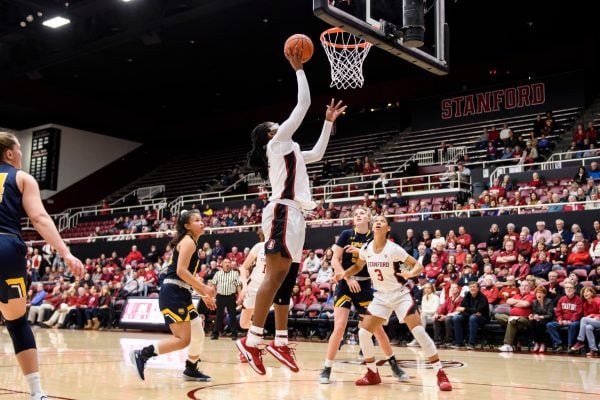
x=331 y=31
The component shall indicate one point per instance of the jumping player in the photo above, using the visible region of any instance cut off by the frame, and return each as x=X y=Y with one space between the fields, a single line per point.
x=391 y=295
x=19 y=192
x=175 y=301
x=354 y=290
x=275 y=155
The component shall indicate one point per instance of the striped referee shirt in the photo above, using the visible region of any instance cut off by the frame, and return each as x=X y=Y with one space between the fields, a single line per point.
x=226 y=282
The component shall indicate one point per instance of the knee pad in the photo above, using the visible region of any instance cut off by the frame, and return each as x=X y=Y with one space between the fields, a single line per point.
x=284 y=293
x=197 y=337
x=424 y=341
x=366 y=343
x=21 y=334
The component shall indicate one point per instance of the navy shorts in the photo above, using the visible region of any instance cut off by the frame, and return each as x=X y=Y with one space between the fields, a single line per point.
x=176 y=304
x=13 y=268
x=343 y=297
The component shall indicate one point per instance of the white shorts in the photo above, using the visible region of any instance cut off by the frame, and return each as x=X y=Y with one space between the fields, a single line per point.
x=250 y=298
x=284 y=230
x=385 y=303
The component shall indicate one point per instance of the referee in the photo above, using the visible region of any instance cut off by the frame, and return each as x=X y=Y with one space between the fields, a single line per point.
x=228 y=284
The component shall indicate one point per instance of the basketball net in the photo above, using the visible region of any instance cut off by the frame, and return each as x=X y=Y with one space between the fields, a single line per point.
x=346 y=54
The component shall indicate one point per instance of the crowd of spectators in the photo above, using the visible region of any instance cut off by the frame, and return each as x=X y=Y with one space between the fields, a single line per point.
x=464 y=284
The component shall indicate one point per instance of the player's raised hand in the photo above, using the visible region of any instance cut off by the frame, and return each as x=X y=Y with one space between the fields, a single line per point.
x=334 y=110
x=294 y=56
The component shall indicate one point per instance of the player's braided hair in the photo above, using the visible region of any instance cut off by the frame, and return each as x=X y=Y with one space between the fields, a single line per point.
x=257 y=157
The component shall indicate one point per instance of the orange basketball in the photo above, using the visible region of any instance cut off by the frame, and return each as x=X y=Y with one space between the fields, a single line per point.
x=303 y=42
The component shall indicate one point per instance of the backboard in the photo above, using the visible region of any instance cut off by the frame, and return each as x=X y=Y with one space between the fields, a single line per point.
x=388 y=24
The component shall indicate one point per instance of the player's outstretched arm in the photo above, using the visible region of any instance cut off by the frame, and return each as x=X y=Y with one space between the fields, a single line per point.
x=334 y=110
x=290 y=125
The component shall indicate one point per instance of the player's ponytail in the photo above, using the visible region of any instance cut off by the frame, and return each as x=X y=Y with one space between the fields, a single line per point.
x=257 y=157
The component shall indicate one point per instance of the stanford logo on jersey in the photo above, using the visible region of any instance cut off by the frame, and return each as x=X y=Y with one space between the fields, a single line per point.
x=271 y=244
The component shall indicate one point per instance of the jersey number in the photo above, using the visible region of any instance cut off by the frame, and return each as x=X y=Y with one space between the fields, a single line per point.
x=2 y=180
x=379 y=274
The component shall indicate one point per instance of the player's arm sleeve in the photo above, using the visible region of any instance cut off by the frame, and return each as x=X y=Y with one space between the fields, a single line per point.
x=318 y=151
x=399 y=254
x=342 y=239
x=290 y=125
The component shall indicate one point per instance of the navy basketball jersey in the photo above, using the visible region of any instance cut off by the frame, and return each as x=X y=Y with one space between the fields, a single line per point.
x=192 y=267
x=11 y=209
x=351 y=237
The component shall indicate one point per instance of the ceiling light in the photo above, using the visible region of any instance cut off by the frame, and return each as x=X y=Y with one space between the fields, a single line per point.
x=125 y=1
x=56 y=22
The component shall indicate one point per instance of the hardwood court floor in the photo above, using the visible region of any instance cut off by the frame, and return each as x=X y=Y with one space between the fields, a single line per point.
x=94 y=365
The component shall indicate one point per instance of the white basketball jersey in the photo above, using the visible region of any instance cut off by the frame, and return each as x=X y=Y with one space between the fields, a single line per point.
x=258 y=272
x=287 y=174
x=381 y=265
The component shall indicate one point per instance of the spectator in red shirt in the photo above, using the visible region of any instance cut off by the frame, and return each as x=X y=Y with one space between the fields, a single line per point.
x=235 y=255
x=591 y=133
x=444 y=315
x=569 y=311
x=507 y=257
x=524 y=246
x=590 y=321
x=496 y=190
x=434 y=268
x=520 y=270
x=308 y=297
x=518 y=318
x=490 y=291
x=579 y=259
x=507 y=289
x=536 y=181
x=134 y=255
x=463 y=237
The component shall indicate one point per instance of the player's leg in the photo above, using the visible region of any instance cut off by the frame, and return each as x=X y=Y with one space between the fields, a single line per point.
x=279 y=346
x=14 y=312
x=386 y=347
x=195 y=349
x=412 y=318
x=341 y=312
x=368 y=326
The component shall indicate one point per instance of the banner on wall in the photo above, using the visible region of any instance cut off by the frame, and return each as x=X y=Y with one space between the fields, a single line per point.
x=517 y=98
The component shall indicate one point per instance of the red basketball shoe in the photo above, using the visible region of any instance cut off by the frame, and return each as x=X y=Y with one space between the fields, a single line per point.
x=443 y=382
x=370 y=378
x=252 y=354
x=242 y=359
x=284 y=354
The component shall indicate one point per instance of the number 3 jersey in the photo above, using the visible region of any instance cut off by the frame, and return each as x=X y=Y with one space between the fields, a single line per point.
x=381 y=266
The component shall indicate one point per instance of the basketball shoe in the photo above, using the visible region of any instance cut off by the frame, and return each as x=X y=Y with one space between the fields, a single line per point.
x=39 y=396
x=192 y=373
x=443 y=382
x=325 y=375
x=242 y=359
x=139 y=358
x=370 y=378
x=252 y=354
x=284 y=354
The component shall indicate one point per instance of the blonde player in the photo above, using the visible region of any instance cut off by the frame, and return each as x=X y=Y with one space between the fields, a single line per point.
x=391 y=295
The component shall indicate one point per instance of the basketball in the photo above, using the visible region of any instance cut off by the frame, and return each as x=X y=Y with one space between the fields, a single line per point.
x=303 y=42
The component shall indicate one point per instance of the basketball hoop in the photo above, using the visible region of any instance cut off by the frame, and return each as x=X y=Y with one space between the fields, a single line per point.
x=346 y=54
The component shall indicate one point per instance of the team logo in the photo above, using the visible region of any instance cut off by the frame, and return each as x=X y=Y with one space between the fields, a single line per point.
x=271 y=244
x=181 y=311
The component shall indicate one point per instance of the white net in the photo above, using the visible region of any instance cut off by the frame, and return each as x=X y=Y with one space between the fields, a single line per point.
x=346 y=54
